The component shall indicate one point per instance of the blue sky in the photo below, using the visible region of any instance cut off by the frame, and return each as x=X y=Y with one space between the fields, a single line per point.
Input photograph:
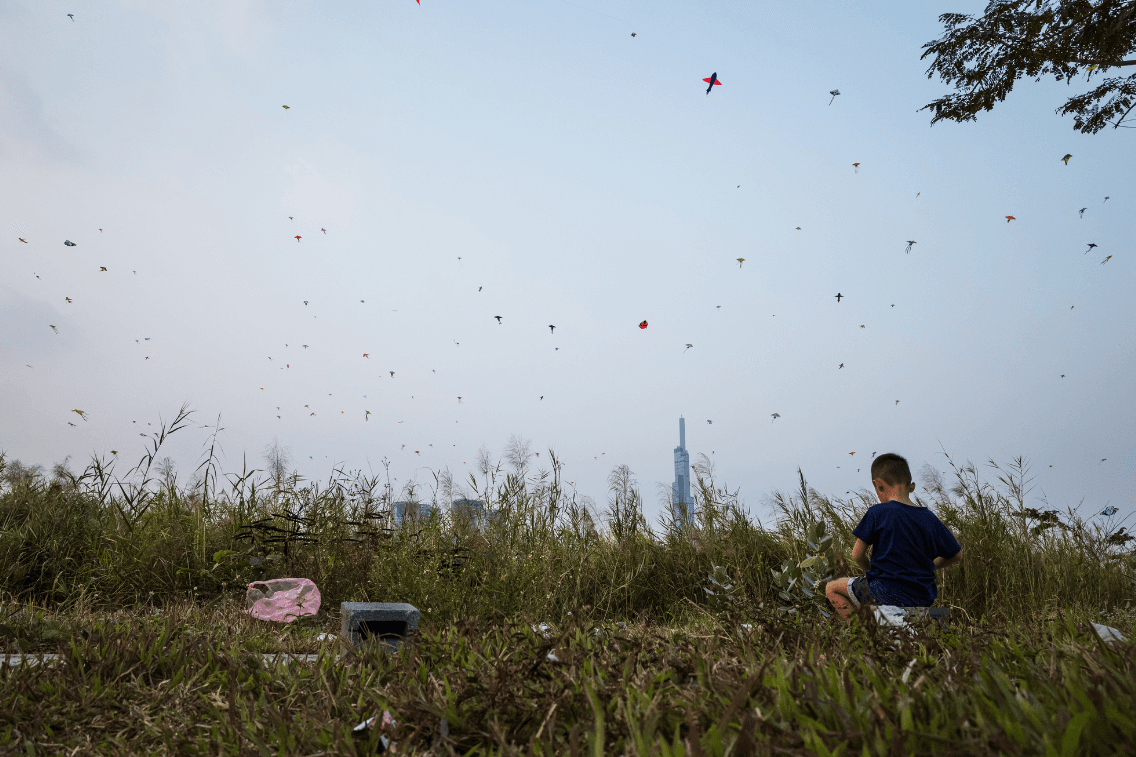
x=585 y=180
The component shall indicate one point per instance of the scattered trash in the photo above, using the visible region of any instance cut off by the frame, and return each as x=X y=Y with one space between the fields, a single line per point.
x=326 y=637
x=1109 y=634
x=282 y=599
x=543 y=629
x=363 y=730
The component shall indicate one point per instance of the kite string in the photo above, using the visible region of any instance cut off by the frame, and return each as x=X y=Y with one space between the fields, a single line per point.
x=581 y=7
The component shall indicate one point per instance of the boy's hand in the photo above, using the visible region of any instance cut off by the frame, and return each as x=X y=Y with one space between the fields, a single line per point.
x=860 y=555
x=942 y=563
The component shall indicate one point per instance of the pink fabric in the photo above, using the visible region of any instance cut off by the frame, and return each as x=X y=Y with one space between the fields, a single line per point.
x=282 y=599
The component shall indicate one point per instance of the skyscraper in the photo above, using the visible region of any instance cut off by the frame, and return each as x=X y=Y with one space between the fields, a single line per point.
x=682 y=504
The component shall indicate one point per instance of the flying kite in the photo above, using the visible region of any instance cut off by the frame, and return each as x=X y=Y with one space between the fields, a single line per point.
x=297 y=237
x=1103 y=459
x=740 y=261
x=366 y=415
x=53 y=328
x=69 y=423
x=834 y=93
x=838 y=296
x=1091 y=246
x=367 y=355
x=68 y=299
x=1105 y=199
x=840 y=366
x=1010 y=218
x=81 y=413
x=1082 y=212
x=633 y=34
x=857 y=167
x=710 y=422
x=287 y=108
x=909 y=243
x=323 y=230
x=897 y=402
x=917 y=195
x=22 y=240
x=1106 y=260
x=1066 y=158
x=712 y=80
x=798 y=228
x=775 y=416
x=498 y=319
x=459 y=400
x=392 y=374
x=72 y=17
x=642 y=324
x=552 y=329
x=102 y=268
x=851 y=453
x=305 y=302
x=688 y=347
x=69 y=243
x=1109 y=511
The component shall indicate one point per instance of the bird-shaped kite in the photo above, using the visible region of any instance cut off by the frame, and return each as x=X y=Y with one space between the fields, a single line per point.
x=840 y=366
x=1109 y=511
x=366 y=415
x=459 y=400
x=775 y=416
x=22 y=240
x=68 y=299
x=305 y=346
x=323 y=230
x=740 y=261
x=367 y=355
x=897 y=402
x=69 y=423
x=392 y=374
x=642 y=324
x=688 y=347
x=551 y=329
x=498 y=319
x=633 y=34
x=287 y=108
x=297 y=237
x=102 y=268
x=1103 y=459
x=861 y=325
x=71 y=16
x=1091 y=246
x=1105 y=199
x=1010 y=218
x=917 y=195
x=834 y=93
x=1106 y=260
x=305 y=302
x=798 y=228
x=851 y=453
x=857 y=167
x=712 y=80
x=710 y=422
x=1066 y=158
x=69 y=243
x=1082 y=212
x=838 y=296
x=53 y=328
x=81 y=413
x=909 y=243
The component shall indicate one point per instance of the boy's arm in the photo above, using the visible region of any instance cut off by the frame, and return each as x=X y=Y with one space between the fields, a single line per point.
x=946 y=562
x=860 y=555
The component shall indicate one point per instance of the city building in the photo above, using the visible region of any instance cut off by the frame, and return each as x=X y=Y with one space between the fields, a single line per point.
x=682 y=504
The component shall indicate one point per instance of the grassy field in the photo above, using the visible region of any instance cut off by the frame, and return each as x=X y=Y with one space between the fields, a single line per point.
x=665 y=640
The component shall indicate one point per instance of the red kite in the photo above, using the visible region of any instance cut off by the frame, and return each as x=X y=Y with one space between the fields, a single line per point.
x=857 y=167
x=1010 y=218
x=711 y=81
x=297 y=237
x=642 y=324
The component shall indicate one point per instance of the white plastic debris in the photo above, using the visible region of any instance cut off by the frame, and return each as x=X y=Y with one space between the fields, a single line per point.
x=890 y=615
x=326 y=637
x=387 y=722
x=543 y=629
x=1109 y=634
x=551 y=657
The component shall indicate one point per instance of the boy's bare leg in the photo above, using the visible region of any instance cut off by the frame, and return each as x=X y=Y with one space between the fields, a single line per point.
x=837 y=594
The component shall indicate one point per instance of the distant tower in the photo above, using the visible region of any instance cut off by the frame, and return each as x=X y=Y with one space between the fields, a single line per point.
x=682 y=504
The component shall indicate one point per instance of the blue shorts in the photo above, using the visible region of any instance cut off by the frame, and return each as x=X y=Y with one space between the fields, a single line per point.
x=858 y=591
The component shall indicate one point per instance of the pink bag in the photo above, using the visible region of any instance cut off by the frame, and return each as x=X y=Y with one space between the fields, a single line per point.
x=282 y=599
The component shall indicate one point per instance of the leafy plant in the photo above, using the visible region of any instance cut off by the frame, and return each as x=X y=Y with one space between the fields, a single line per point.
x=801 y=584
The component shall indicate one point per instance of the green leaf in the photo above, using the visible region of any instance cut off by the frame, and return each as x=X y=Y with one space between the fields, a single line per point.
x=1072 y=735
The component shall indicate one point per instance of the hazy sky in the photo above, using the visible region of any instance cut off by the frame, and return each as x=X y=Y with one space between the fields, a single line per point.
x=535 y=161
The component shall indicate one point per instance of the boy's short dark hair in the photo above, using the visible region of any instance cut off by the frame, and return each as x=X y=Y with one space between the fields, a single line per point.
x=891 y=469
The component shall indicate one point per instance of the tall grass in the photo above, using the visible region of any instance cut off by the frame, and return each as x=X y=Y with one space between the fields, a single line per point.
x=541 y=549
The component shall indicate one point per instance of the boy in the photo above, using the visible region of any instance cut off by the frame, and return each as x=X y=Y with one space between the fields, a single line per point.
x=909 y=543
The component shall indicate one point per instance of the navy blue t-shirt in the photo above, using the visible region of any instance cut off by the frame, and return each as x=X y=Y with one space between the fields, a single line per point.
x=905 y=541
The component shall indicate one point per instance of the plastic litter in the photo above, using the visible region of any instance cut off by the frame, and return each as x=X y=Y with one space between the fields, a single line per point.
x=282 y=599
x=1109 y=634
x=363 y=729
